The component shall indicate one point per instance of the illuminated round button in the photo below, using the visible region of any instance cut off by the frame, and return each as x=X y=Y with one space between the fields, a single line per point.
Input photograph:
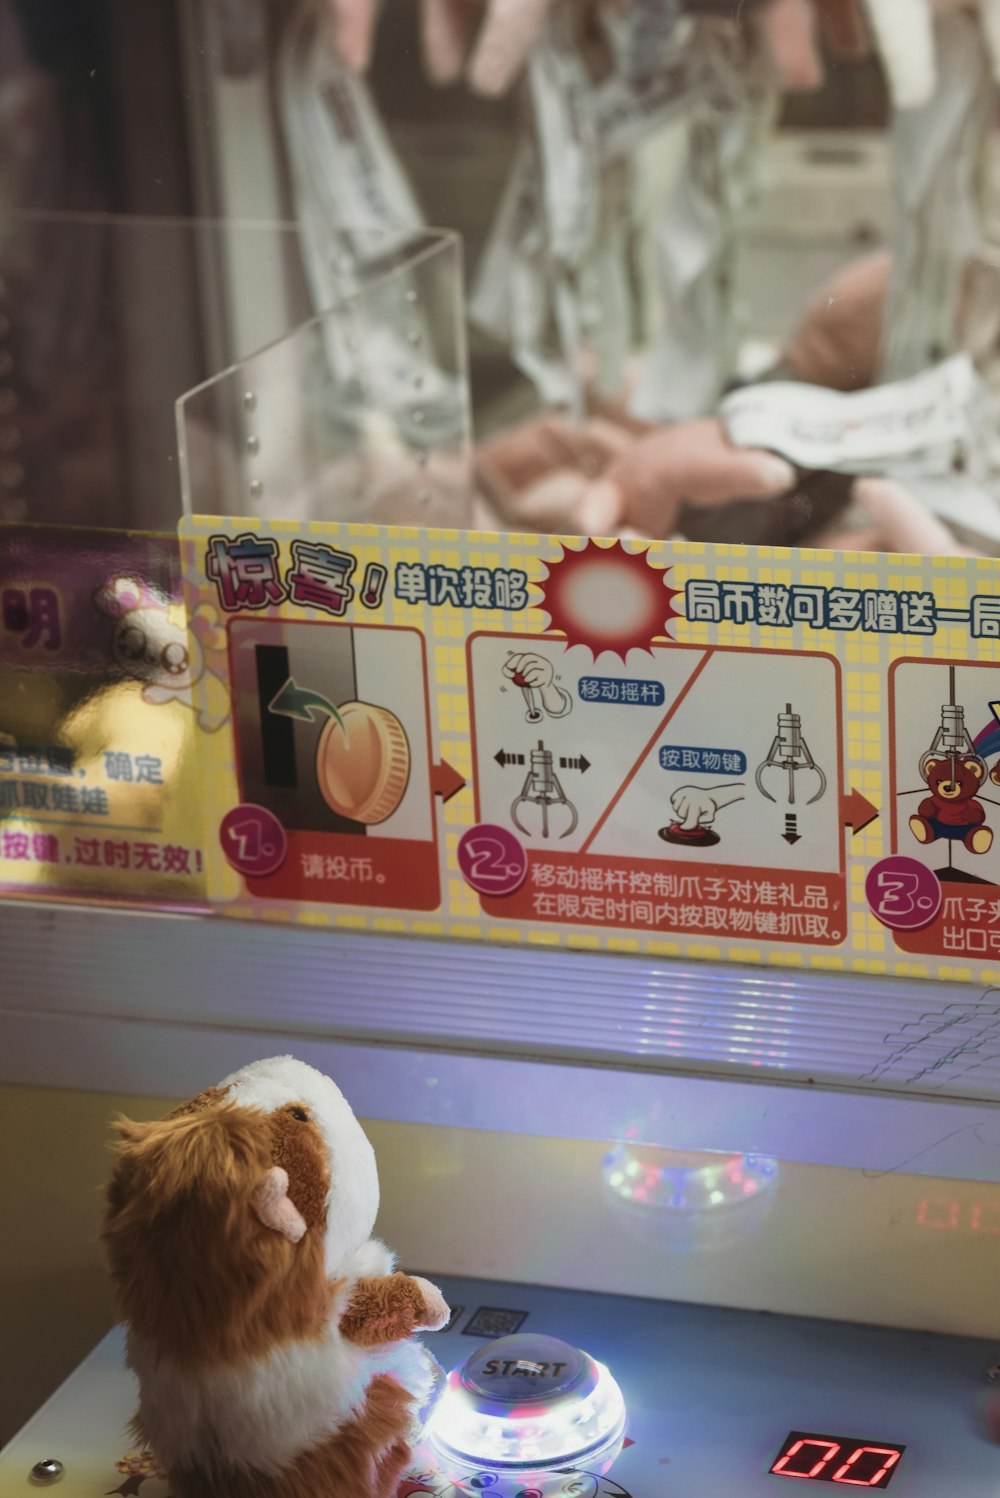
x=528 y=1403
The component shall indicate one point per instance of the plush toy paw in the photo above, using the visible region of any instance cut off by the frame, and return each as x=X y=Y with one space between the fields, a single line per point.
x=437 y=1312
x=391 y=1468
x=979 y=840
x=922 y=830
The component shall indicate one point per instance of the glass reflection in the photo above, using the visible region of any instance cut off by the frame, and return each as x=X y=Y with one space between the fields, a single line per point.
x=689 y=1203
x=99 y=789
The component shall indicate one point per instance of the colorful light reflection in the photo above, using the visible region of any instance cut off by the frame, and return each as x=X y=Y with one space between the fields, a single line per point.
x=478 y=1422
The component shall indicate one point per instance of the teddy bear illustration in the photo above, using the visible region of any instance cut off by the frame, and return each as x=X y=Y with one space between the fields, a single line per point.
x=952 y=810
x=151 y=644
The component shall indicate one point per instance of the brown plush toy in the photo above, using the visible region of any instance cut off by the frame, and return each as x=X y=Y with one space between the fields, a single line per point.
x=270 y=1336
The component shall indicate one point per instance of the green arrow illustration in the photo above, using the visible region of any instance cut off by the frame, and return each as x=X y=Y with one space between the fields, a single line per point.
x=294 y=701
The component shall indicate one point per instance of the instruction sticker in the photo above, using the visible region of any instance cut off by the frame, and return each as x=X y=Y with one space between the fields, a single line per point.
x=98 y=730
x=720 y=752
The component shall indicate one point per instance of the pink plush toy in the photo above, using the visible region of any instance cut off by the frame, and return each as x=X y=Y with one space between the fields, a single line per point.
x=489 y=41
x=692 y=464
x=492 y=37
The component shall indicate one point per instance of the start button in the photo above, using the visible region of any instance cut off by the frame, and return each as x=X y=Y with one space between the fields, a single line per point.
x=529 y=1404
x=527 y=1369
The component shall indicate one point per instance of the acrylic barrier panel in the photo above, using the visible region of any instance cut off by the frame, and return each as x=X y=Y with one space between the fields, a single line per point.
x=98 y=735
x=360 y=414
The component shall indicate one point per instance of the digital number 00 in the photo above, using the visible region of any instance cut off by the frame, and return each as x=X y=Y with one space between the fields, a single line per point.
x=849 y=1463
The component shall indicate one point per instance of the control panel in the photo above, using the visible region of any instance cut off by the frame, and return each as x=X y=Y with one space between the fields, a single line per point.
x=552 y=1392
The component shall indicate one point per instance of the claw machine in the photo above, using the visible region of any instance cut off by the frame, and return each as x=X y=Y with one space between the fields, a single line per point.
x=542 y=673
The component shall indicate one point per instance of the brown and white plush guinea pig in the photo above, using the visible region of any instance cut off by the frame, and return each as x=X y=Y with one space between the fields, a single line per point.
x=268 y=1331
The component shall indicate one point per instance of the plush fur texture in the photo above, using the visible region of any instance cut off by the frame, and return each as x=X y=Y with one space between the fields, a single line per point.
x=352 y=1194
x=268 y=1331
x=367 y=1457
x=389 y=1308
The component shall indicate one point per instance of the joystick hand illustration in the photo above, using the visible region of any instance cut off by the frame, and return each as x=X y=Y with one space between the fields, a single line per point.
x=536 y=677
x=696 y=808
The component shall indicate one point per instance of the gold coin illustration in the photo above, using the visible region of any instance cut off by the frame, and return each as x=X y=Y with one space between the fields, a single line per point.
x=363 y=768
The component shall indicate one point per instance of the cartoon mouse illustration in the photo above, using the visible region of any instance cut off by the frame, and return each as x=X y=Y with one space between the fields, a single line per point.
x=952 y=810
x=151 y=644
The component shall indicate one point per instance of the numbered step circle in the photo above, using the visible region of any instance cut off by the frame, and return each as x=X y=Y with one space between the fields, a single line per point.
x=903 y=894
x=253 y=840
x=492 y=860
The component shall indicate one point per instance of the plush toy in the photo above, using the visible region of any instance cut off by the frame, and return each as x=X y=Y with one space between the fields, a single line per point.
x=889 y=518
x=951 y=810
x=689 y=481
x=489 y=41
x=789 y=33
x=270 y=1336
x=692 y=463
x=493 y=37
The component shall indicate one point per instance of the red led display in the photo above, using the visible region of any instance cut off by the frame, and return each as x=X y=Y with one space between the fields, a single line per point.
x=841 y=1459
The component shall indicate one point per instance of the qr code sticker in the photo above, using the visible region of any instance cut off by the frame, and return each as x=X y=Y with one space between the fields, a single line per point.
x=490 y=1321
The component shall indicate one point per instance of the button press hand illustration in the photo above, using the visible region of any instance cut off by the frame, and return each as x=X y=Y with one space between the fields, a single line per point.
x=695 y=808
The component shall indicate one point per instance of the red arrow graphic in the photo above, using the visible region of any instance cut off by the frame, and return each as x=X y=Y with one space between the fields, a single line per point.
x=857 y=812
x=446 y=781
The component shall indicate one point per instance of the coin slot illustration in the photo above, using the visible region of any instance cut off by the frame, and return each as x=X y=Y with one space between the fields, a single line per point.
x=363 y=763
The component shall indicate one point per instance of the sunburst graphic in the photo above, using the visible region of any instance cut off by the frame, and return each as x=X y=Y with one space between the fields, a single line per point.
x=608 y=599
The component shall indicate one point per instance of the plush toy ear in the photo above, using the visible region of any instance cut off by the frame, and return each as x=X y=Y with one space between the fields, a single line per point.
x=273 y=1206
x=976 y=767
x=931 y=768
x=119 y=596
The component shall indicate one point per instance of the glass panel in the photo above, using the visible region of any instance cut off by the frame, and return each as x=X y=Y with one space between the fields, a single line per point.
x=98 y=767
x=106 y=322
x=656 y=202
x=360 y=414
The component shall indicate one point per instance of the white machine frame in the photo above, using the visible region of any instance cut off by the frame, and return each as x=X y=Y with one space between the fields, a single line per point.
x=700 y=1056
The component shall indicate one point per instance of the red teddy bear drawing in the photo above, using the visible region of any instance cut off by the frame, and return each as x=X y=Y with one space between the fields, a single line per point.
x=951 y=810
